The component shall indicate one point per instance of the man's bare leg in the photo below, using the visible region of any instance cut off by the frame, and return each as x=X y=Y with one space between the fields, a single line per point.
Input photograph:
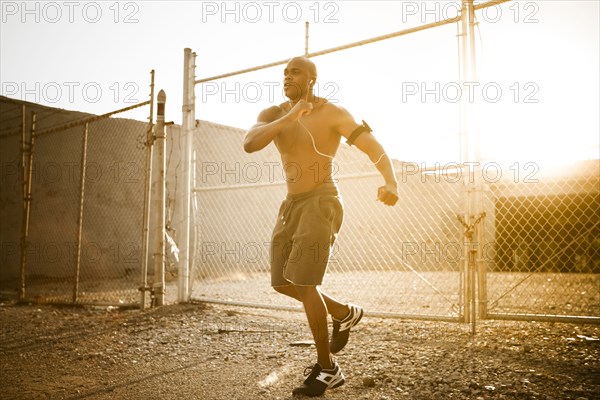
x=316 y=313
x=335 y=308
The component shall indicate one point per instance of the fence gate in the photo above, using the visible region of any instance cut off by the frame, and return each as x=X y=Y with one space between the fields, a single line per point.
x=86 y=205
x=542 y=248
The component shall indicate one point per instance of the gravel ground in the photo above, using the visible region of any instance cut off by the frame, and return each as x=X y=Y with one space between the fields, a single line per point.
x=199 y=351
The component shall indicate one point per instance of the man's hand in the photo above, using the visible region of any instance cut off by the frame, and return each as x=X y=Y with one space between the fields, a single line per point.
x=388 y=195
x=301 y=109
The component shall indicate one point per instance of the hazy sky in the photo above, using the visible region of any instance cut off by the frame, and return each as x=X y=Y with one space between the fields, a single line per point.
x=538 y=66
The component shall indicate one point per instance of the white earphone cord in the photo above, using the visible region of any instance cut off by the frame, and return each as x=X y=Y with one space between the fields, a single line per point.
x=313 y=139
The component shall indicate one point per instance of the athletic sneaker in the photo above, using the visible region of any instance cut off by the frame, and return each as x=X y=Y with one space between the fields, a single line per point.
x=341 y=329
x=320 y=379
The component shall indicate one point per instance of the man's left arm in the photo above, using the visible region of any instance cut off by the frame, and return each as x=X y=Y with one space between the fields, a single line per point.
x=368 y=144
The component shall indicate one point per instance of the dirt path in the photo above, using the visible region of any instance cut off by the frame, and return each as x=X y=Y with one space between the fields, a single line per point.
x=219 y=352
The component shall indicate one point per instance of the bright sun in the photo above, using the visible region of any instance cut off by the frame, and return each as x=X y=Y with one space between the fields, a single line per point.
x=548 y=108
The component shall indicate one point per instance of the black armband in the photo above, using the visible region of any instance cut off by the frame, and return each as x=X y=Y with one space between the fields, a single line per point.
x=357 y=132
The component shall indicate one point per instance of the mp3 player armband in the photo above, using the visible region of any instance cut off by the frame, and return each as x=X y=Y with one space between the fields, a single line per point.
x=357 y=132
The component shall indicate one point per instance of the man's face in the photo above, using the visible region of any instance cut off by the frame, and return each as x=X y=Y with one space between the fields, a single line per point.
x=296 y=82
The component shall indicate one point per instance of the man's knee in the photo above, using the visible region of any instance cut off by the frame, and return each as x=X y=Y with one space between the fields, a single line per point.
x=282 y=289
x=288 y=290
x=306 y=292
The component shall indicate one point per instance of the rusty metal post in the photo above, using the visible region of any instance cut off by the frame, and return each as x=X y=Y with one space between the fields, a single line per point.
x=158 y=286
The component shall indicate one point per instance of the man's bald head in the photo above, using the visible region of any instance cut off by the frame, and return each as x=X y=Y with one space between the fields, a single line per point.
x=305 y=64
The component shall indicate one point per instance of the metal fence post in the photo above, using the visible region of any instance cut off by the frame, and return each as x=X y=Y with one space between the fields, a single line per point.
x=80 y=215
x=27 y=178
x=479 y=283
x=470 y=157
x=160 y=202
x=23 y=150
x=147 y=195
x=464 y=77
x=188 y=122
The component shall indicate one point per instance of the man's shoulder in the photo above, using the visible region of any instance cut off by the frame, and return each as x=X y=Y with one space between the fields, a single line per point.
x=334 y=110
x=328 y=106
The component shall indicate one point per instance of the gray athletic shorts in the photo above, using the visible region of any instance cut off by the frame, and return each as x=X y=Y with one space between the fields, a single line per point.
x=306 y=228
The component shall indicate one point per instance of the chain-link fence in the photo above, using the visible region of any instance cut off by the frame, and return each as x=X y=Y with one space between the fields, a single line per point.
x=539 y=249
x=525 y=245
x=82 y=242
x=543 y=242
x=404 y=260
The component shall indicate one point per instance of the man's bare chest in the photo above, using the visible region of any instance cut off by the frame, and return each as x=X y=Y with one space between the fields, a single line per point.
x=307 y=132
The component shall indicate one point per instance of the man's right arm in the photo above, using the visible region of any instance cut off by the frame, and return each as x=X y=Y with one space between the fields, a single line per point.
x=270 y=123
x=265 y=130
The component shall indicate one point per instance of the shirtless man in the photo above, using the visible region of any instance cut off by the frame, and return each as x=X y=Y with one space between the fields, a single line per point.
x=307 y=131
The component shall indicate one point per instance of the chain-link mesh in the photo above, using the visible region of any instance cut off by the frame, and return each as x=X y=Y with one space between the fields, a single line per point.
x=403 y=260
x=113 y=211
x=50 y=167
x=540 y=251
x=51 y=247
x=543 y=241
x=111 y=207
